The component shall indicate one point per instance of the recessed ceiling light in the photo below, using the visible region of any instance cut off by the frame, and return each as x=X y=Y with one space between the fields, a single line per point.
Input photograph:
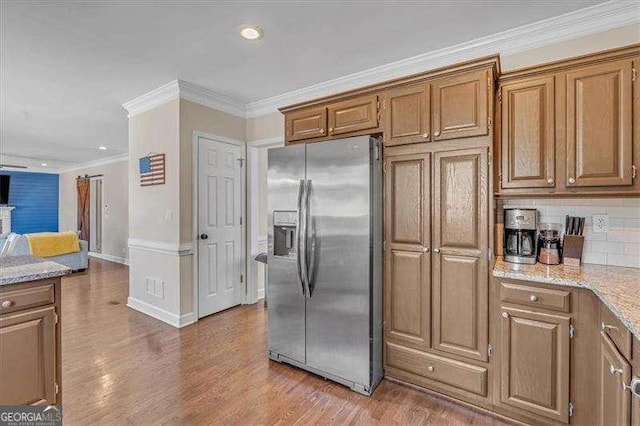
x=43 y=164
x=250 y=32
x=102 y=148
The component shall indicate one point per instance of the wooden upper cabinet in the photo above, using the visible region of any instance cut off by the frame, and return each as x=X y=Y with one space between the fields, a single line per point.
x=306 y=124
x=353 y=115
x=408 y=115
x=528 y=133
x=460 y=241
x=614 y=401
x=27 y=351
x=599 y=110
x=534 y=363
x=407 y=265
x=461 y=105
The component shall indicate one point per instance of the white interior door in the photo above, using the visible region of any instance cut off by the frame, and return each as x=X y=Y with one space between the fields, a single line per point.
x=219 y=226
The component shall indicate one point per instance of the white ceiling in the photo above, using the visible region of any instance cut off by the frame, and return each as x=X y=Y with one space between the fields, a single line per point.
x=67 y=67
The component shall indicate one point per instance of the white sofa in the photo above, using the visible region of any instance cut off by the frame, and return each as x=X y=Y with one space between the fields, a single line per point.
x=17 y=245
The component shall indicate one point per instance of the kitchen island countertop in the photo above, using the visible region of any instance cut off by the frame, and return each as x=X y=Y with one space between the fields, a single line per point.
x=19 y=269
x=617 y=287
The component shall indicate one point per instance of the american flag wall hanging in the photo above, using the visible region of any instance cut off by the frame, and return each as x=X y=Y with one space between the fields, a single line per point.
x=152 y=170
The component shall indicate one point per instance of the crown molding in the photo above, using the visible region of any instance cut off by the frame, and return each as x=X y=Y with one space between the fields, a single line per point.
x=590 y=20
x=96 y=163
x=188 y=91
x=579 y=23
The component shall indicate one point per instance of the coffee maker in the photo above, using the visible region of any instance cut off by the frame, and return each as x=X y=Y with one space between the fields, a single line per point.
x=520 y=228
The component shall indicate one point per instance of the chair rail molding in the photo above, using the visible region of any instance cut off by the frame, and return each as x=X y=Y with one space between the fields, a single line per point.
x=171 y=249
x=591 y=20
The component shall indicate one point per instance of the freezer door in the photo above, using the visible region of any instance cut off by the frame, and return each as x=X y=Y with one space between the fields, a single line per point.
x=339 y=253
x=285 y=291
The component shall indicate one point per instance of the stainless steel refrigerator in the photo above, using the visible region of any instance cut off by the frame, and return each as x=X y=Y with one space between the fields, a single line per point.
x=325 y=259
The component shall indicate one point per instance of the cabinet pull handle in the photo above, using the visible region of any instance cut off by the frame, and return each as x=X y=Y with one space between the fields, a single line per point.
x=7 y=303
x=605 y=327
x=572 y=180
x=614 y=370
x=533 y=298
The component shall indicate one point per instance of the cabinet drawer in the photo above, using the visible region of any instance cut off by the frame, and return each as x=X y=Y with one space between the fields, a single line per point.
x=555 y=300
x=24 y=298
x=616 y=330
x=454 y=373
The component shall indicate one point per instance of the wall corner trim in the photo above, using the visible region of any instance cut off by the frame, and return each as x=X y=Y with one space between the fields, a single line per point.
x=170 y=318
x=170 y=249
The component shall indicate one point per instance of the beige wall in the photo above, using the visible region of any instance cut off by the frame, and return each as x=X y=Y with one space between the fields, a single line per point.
x=154 y=211
x=611 y=39
x=265 y=127
x=115 y=228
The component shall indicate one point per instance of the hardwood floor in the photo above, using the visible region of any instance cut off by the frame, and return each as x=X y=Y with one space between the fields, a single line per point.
x=123 y=367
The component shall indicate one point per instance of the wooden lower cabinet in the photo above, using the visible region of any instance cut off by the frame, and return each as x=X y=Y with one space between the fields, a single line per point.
x=614 y=401
x=534 y=364
x=29 y=344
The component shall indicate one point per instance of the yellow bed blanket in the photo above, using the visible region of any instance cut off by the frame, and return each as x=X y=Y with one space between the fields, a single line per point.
x=47 y=244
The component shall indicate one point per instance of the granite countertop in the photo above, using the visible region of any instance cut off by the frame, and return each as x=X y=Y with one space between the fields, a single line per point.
x=19 y=269
x=616 y=286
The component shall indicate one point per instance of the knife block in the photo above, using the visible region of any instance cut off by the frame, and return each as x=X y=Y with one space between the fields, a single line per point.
x=572 y=250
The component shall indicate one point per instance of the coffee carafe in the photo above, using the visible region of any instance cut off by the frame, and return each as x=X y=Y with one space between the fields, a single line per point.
x=520 y=235
x=549 y=243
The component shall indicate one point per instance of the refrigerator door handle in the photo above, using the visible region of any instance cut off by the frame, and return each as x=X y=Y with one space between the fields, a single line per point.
x=299 y=234
x=310 y=244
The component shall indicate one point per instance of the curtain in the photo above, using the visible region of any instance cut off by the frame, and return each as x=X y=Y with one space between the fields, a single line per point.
x=83 y=189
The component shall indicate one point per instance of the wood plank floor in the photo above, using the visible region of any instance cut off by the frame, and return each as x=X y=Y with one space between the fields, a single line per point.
x=123 y=367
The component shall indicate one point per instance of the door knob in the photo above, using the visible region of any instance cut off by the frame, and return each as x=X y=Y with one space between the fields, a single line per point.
x=203 y=236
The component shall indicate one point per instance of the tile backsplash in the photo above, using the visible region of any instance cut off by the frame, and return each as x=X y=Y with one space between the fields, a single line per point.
x=620 y=246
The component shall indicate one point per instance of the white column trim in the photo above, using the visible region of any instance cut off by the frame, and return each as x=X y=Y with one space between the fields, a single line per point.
x=171 y=249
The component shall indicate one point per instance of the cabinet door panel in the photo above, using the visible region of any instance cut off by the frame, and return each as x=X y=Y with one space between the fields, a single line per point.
x=353 y=115
x=407 y=299
x=407 y=115
x=615 y=402
x=307 y=124
x=460 y=105
x=460 y=240
x=407 y=267
x=460 y=300
x=27 y=351
x=528 y=129
x=599 y=125
x=535 y=363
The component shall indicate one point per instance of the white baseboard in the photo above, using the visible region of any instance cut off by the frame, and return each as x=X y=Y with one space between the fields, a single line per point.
x=110 y=258
x=170 y=318
x=260 y=293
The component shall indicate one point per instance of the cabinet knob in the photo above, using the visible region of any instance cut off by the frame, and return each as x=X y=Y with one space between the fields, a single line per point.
x=549 y=181
x=425 y=135
x=436 y=250
x=605 y=327
x=634 y=387
x=425 y=249
x=321 y=130
x=614 y=370
x=436 y=133
x=330 y=129
x=6 y=303
x=505 y=315
x=430 y=369
x=533 y=298
x=572 y=180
